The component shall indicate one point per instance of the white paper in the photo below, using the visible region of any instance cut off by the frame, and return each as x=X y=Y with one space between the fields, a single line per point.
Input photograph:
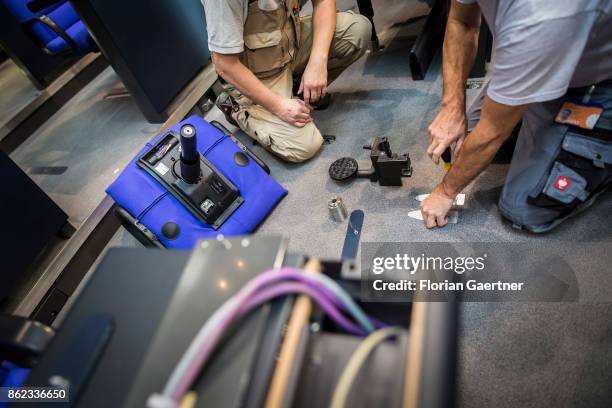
x=459 y=201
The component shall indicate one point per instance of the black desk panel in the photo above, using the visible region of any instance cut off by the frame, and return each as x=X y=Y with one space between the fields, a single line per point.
x=29 y=219
x=156 y=46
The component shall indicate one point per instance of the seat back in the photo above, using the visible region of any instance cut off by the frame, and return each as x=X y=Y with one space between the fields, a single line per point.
x=19 y=9
x=62 y=14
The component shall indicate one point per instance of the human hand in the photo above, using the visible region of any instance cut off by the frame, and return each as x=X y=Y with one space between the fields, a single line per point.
x=435 y=208
x=448 y=127
x=314 y=80
x=294 y=112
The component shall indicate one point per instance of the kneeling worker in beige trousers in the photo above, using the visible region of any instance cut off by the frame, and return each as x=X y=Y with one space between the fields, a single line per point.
x=259 y=46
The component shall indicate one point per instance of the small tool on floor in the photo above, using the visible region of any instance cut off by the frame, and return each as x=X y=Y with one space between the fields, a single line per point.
x=353 y=233
x=329 y=139
x=337 y=209
x=388 y=168
x=447 y=158
x=351 y=265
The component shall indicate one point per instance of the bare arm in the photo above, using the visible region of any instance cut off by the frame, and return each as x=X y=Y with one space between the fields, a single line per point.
x=496 y=124
x=459 y=52
x=231 y=69
x=314 y=80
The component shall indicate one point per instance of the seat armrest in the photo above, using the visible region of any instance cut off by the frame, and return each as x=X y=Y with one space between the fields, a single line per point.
x=22 y=341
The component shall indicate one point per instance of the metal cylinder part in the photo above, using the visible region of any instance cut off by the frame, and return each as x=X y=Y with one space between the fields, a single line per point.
x=337 y=209
x=189 y=151
x=190 y=160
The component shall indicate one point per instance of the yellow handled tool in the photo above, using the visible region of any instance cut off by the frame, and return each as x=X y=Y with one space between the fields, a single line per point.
x=447 y=159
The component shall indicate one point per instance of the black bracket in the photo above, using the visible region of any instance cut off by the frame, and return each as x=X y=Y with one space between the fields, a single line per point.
x=388 y=168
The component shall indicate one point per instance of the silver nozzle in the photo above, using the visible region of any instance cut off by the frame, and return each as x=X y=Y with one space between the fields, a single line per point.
x=337 y=209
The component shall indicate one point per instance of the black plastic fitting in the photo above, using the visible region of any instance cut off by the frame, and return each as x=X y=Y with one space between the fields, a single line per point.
x=190 y=159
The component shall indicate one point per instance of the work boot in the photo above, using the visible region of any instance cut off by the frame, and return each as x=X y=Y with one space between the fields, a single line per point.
x=321 y=104
x=227 y=105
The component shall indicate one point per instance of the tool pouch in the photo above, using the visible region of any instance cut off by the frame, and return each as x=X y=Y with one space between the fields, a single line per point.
x=582 y=169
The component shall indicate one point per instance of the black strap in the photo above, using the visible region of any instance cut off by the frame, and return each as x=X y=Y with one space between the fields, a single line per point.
x=46 y=20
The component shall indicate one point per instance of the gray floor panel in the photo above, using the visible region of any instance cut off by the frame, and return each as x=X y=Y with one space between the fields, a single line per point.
x=94 y=138
x=17 y=91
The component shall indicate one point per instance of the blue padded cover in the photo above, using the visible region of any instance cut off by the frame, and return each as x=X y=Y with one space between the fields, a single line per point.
x=78 y=32
x=64 y=16
x=12 y=375
x=153 y=206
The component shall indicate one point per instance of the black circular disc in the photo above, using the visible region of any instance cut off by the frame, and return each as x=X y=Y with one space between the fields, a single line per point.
x=343 y=169
x=241 y=159
x=171 y=230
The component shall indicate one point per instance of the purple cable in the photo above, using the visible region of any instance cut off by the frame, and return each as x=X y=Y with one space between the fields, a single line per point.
x=294 y=274
x=242 y=297
x=248 y=301
x=289 y=288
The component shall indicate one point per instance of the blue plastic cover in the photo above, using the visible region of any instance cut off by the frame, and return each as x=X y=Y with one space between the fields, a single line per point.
x=12 y=375
x=153 y=206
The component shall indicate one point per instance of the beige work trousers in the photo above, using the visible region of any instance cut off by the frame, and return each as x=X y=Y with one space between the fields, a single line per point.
x=294 y=144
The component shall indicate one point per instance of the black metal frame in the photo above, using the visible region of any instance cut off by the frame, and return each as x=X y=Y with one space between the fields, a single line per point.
x=429 y=41
x=366 y=9
x=40 y=67
x=36 y=6
x=48 y=21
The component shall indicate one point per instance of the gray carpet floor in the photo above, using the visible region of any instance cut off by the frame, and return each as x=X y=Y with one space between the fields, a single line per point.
x=510 y=354
x=87 y=142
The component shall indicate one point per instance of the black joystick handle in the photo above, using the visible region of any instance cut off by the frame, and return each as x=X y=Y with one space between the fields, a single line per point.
x=190 y=159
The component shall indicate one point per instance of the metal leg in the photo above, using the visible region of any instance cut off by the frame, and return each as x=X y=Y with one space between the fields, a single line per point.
x=366 y=9
x=66 y=230
x=429 y=40
x=117 y=93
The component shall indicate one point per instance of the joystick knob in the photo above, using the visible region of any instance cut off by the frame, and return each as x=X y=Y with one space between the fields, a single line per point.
x=190 y=160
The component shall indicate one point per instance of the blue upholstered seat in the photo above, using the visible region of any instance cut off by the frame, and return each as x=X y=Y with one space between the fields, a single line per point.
x=57 y=28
